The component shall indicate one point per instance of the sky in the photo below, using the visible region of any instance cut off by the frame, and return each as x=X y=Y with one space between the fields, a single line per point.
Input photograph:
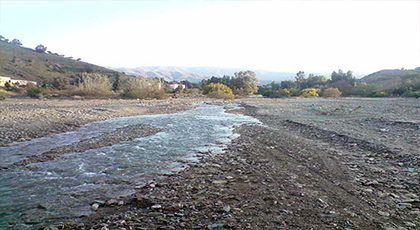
x=312 y=36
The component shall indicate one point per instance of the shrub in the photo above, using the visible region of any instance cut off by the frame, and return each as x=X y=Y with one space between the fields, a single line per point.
x=216 y=87
x=219 y=94
x=332 y=92
x=285 y=93
x=415 y=94
x=377 y=94
x=142 y=88
x=94 y=85
x=35 y=92
x=218 y=90
x=309 y=92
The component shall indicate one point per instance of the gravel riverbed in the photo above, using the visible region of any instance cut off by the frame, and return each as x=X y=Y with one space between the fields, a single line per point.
x=313 y=164
x=349 y=163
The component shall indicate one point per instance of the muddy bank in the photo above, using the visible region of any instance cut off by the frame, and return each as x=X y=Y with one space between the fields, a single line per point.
x=24 y=119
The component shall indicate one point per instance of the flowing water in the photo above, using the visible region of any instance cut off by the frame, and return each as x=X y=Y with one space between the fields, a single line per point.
x=69 y=184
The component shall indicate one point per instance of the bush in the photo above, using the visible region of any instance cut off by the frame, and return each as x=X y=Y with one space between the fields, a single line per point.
x=142 y=88
x=216 y=87
x=415 y=94
x=276 y=93
x=35 y=92
x=94 y=85
x=220 y=94
x=218 y=90
x=309 y=92
x=332 y=92
x=285 y=93
x=377 y=94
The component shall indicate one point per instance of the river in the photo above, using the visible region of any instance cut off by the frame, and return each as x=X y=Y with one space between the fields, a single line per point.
x=68 y=185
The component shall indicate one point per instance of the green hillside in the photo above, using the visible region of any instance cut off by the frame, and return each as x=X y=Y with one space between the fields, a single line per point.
x=388 y=78
x=26 y=64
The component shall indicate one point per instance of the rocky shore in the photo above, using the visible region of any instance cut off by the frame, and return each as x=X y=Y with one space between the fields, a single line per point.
x=287 y=174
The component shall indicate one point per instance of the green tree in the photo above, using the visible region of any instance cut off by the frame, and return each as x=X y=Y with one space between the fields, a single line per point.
x=16 y=42
x=40 y=48
x=245 y=82
x=340 y=75
x=116 y=83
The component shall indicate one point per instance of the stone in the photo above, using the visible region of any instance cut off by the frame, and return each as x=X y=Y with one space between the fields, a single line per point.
x=219 y=182
x=41 y=206
x=409 y=224
x=143 y=201
x=156 y=206
x=383 y=213
x=111 y=202
x=175 y=207
x=95 y=207
x=226 y=208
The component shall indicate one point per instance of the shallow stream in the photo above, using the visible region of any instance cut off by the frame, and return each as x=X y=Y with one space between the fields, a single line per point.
x=68 y=185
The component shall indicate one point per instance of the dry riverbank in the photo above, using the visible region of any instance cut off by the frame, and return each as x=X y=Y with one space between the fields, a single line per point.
x=24 y=119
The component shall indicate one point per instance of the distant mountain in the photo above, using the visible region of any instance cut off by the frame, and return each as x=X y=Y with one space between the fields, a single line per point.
x=196 y=74
x=25 y=64
x=387 y=78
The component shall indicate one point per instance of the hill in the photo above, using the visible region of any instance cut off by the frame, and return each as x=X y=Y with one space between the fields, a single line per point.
x=388 y=78
x=25 y=64
x=196 y=74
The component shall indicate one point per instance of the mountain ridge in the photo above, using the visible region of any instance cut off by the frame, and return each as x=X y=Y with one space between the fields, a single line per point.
x=196 y=74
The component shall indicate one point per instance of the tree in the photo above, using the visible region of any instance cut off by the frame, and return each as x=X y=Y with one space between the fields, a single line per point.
x=288 y=84
x=300 y=76
x=245 y=82
x=16 y=42
x=340 y=75
x=116 y=83
x=40 y=48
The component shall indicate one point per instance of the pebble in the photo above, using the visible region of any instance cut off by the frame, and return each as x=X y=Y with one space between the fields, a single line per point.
x=95 y=207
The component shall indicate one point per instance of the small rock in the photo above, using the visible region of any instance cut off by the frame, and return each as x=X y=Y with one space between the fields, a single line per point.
x=409 y=224
x=95 y=207
x=415 y=213
x=219 y=182
x=41 y=206
x=226 y=208
x=111 y=202
x=383 y=213
x=156 y=206
x=175 y=207
x=216 y=225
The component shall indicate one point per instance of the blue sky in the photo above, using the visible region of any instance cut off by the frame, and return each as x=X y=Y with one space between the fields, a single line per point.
x=314 y=36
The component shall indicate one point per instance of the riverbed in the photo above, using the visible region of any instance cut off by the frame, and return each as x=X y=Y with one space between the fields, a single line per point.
x=49 y=192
